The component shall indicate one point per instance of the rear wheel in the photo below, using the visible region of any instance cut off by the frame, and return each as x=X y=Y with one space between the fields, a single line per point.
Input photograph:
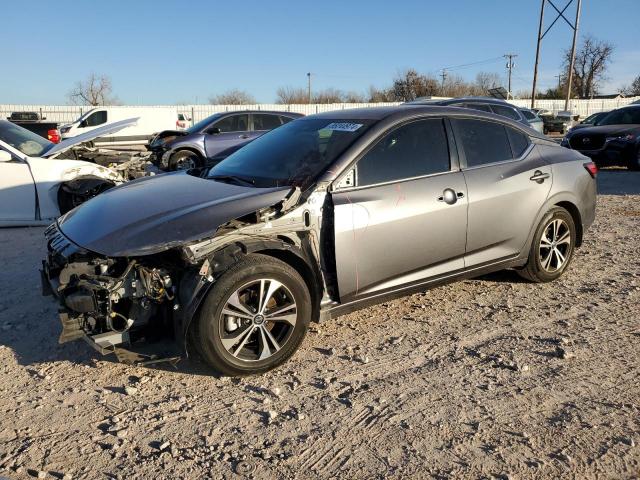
x=184 y=160
x=254 y=318
x=552 y=247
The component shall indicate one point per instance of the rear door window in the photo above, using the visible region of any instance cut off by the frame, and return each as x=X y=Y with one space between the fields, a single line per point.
x=233 y=123
x=263 y=121
x=505 y=111
x=415 y=149
x=478 y=106
x=483 y=142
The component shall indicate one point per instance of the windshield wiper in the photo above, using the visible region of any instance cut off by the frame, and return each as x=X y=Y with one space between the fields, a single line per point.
x=233 y=178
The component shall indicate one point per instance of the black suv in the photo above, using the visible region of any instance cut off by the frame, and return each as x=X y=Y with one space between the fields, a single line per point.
x=614 y=141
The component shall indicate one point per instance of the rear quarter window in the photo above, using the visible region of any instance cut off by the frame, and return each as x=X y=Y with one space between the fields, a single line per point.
x=518 y=140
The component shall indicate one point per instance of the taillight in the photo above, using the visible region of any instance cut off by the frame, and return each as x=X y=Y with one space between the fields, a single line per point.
x=591 y=168
x=53 y=136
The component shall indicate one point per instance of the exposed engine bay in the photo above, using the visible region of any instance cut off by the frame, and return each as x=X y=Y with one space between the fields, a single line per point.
x=129 y=164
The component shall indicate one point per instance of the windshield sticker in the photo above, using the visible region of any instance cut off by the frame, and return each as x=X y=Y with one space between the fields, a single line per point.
x=343 y=126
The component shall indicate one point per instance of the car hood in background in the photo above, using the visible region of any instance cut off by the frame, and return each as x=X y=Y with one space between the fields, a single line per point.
x=154 y=214
x=67 y=143
x=610 y=130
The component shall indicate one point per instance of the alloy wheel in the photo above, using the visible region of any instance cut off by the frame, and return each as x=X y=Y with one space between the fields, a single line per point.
x=555 y=245
x=185 y=163
x=258 y=319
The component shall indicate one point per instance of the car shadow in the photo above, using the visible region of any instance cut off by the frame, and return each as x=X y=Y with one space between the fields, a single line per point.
x=501 y=276
x=618 y=181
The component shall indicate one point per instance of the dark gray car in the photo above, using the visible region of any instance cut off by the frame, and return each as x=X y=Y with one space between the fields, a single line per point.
x=484 y=104
x=213 y=138
x=319 y=217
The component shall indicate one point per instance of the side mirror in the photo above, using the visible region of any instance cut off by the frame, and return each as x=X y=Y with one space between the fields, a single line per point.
x=5 y=156
x=83 y=124
x=348 y=181
x=214 y=131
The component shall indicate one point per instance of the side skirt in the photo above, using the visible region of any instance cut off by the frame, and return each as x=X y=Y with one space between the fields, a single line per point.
x=334 y=311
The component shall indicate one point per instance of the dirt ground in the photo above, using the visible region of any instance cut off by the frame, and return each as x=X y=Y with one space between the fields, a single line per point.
x=487 y=378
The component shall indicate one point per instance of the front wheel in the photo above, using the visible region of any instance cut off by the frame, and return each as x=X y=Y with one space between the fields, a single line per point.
x=254 y=318
x=552 y=247
x=184 y=160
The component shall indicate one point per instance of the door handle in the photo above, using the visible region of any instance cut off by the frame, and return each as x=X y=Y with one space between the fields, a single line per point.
x=243 y=136
x=450 y=196
x=539 y=177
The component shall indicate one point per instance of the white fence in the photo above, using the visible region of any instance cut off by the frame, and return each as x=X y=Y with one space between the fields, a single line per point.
x=69 y=113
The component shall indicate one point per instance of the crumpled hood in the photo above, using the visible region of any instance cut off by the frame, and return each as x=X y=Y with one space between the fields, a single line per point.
x=154 y=214
x=107 y=129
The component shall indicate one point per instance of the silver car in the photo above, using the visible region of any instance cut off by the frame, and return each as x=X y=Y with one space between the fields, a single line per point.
x=322 y=216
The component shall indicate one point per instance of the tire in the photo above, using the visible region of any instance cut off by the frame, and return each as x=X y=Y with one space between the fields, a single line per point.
x=244 y=352
x=634 y=161
x=67 y=201
x=184 y=160
x=543 y=264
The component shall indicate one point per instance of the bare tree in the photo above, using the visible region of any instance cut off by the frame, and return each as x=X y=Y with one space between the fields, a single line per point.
x=95 y=90
x=486 y=81
x=633 y=89
x=411 y=85
x=233 y=97
x=590 y=67
x=353 y=97
x=291 y=95
x=376 y=95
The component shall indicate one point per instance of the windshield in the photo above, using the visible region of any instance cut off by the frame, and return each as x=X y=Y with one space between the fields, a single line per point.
x=294 y=154
x=22 y=139
x=203 y=123
x=624 y=116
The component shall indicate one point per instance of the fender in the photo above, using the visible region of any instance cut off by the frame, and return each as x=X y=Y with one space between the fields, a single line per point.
x=198 y=281
x=84 y=184
x=553 y=200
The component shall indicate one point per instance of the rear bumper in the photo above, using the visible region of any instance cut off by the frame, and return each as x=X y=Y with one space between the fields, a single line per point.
x=614 y=153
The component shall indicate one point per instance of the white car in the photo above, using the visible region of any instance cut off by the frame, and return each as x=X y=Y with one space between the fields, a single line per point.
x=37 y=184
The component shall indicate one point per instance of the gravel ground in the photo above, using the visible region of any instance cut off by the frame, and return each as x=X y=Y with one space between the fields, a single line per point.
x=488 y=378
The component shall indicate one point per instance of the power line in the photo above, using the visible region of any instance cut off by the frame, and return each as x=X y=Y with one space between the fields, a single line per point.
x=480 y=62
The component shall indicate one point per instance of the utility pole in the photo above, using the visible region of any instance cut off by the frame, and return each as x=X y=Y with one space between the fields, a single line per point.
x=559 y=77
x=309 y=87
x=574 y=27
x=444 y=77
x=535 y=67
x=573 y=55
x=510 y=65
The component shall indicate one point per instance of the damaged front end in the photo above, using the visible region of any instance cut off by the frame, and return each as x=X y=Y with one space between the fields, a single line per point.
x=113 y=303
x=140 y=305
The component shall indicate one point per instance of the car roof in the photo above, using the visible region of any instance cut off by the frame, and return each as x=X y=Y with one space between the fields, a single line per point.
x=470 y=99
x=407 y=111
x=271 y=112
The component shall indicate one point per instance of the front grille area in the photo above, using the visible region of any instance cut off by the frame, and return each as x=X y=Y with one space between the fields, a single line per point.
x=60 y=248
x=587 y=141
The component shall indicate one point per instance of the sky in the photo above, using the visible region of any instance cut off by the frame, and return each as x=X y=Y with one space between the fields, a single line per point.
x=168 y=52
